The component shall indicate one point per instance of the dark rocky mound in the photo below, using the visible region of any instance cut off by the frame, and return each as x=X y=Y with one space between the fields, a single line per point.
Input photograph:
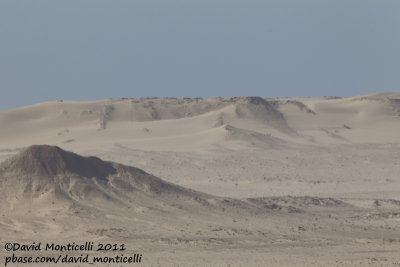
x=49 y=161
x=48 y=171
x=59 y=175
x=42 y=168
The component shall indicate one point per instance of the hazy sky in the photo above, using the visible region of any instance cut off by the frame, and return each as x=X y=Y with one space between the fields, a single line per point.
x=95 y=49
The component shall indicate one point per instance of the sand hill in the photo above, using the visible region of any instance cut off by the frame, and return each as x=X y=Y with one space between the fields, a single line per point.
x=239 y=181
x=160 y=122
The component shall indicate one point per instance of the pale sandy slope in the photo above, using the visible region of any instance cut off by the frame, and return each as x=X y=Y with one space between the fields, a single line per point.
x=342 y=148
x=241 y=147
x=51 y=195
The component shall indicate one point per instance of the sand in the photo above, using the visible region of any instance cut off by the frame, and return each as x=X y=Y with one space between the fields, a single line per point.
x=216 y=182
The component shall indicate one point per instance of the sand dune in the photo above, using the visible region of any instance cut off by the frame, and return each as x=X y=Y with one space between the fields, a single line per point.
x=295 y=120
x=216 y=181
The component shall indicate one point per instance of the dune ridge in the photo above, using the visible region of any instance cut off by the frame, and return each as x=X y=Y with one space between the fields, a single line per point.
x=240 y=181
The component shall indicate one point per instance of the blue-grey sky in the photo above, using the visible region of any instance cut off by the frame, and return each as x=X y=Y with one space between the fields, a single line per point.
x=95 y=49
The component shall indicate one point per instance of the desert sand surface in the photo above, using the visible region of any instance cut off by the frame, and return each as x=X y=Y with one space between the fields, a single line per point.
x=244 y=181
